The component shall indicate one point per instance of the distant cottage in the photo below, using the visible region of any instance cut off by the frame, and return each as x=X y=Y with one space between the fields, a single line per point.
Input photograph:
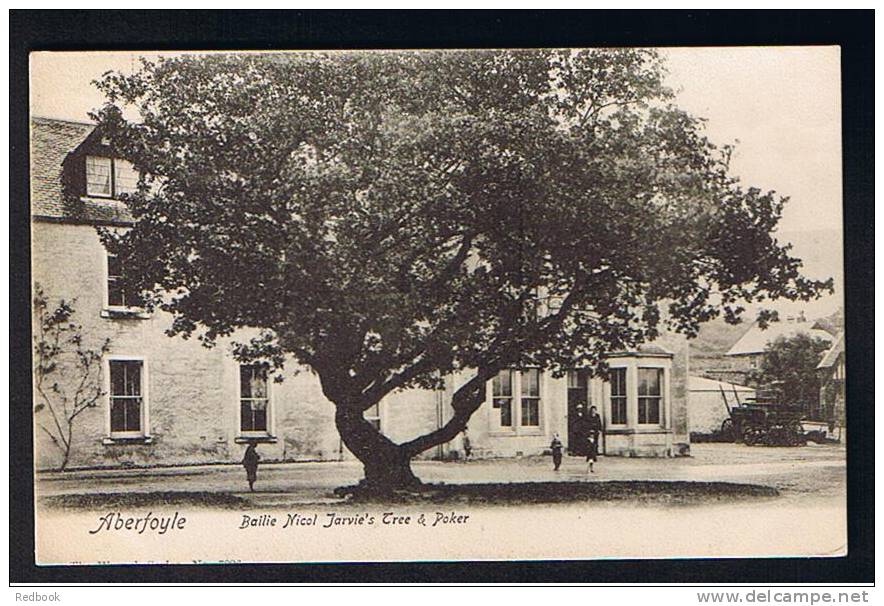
x=747 y=353
x=749 y=350
x=172 y=401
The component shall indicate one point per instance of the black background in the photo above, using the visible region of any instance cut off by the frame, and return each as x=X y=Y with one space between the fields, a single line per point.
x=167 y=30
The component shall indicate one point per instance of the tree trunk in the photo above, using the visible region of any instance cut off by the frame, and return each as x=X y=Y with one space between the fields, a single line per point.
x=387 y=465
x=64 y=461
x=67 y=447
x=466 y=400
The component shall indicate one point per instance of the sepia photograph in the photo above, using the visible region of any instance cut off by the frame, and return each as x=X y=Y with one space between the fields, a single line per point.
x=415 y=305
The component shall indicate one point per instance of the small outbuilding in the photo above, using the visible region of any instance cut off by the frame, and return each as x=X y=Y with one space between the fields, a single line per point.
x=706 y=403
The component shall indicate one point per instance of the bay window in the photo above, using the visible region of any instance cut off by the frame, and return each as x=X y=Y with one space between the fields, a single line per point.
x=637 y=391
x=650 y=395
x=618 y=396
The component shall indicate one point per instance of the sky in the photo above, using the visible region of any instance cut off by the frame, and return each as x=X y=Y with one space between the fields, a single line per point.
x=780 y=106
x=783 y=107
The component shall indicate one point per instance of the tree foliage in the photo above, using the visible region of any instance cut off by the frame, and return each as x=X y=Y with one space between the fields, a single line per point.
x=390 y=217
x=789 y=363
x=66 y=372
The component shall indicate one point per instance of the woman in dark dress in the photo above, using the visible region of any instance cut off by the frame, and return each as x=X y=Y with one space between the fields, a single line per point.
x=594 y=430
x=250 y=462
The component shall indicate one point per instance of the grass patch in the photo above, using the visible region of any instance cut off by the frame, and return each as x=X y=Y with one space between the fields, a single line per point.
x=522 y=493
x=122 y=500
x=652 y=493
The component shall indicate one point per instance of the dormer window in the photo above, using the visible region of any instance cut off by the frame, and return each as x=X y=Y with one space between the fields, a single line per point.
x=109 y=177
x=98 y=176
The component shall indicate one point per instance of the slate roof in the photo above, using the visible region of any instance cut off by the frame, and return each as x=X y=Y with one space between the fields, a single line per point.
x=52 y=140
x=755 y=339
x=645 y=349
x=653 y=349
x=832 y=355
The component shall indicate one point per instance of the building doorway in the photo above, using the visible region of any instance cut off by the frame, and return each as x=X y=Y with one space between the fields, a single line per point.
x=578 y=408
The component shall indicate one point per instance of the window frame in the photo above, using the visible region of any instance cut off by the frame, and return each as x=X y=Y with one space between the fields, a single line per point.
x=498 y=417
x=119 y=165
x=374 y=419
x=622 y=398
x=144 y=432
x=659 y=397
x=108 y=310
x=91 y=194
x=108 y=278
x=535 y=399
x=269 y=406
x=517 y=427
x=115 y=192
x=632 y=361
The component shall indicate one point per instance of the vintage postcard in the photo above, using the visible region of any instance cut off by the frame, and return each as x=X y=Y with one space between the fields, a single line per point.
x=428 y=305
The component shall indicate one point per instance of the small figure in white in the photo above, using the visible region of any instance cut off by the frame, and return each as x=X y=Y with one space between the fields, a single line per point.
x=594 y=425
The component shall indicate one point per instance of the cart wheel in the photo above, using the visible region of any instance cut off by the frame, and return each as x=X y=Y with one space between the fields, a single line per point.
x=777 y=436
x=751 y=437
x=727 y=431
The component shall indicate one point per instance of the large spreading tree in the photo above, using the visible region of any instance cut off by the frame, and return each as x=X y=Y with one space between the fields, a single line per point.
x=388 y=218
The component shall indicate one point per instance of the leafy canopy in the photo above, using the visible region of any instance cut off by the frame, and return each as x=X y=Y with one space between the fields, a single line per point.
x=386 y=217
x=789 y=363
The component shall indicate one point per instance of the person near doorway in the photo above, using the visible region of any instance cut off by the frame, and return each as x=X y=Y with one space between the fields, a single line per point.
x=556 y=447
x=594 y=431
x=577 y=439
x=250 y=462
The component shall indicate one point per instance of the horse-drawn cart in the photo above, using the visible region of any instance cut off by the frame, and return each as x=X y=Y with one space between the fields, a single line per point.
x=765 y=421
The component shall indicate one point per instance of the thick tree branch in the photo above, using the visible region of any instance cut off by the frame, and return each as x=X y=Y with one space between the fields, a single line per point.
x=465 y=401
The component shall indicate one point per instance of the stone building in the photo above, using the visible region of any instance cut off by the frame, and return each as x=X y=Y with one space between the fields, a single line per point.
x=746 y=354
x=832 y=372
x=172 y=401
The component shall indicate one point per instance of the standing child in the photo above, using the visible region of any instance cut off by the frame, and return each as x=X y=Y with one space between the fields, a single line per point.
x=591 y=452
x=250 y=462
x=556 y=447
x=467 y=447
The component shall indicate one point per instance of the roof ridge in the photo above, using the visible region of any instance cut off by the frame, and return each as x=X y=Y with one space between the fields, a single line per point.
x=64 y=120
x=756 y=338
